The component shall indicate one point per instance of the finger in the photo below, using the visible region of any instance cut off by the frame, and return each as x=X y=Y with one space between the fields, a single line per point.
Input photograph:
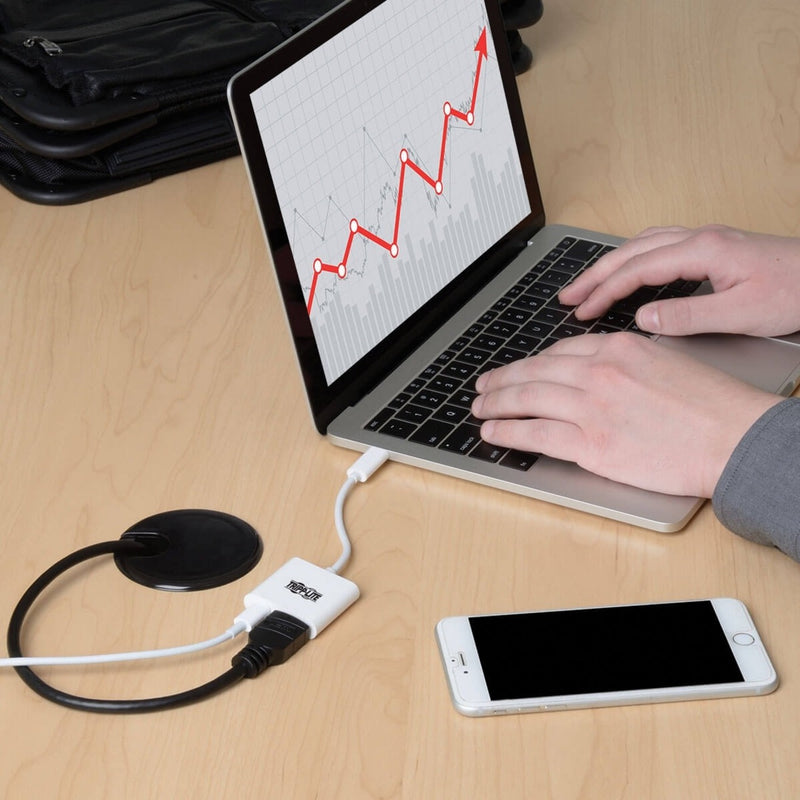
x=552 y=362
x=719 y=312
x=529 y=400
x=650 y=268
x=580 y=289
x=553 y=438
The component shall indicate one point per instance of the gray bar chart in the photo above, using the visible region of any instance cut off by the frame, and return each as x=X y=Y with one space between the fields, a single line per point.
x=399 y=289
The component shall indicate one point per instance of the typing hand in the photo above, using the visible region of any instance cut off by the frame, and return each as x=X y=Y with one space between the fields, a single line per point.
x=624 y=407
x=755 y=277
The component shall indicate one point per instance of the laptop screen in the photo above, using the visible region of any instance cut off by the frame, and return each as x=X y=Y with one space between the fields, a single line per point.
x=387 y=151
x=394 y=164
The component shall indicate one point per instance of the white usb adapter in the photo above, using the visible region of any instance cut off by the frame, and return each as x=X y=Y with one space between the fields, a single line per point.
x=314 y=595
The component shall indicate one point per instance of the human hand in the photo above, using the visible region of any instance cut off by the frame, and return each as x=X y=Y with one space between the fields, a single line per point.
x=755 y=277
x=624 y=407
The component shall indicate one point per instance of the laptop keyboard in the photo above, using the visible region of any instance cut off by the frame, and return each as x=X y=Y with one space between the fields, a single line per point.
x=434 y=409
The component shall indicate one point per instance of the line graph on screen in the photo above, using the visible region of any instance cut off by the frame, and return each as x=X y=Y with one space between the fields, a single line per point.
x=449 y=113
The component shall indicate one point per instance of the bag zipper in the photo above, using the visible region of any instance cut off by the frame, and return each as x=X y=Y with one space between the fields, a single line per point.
x=50 y=48
x=244 y=10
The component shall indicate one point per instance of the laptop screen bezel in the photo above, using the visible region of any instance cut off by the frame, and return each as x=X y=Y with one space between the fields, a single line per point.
x=326 y=400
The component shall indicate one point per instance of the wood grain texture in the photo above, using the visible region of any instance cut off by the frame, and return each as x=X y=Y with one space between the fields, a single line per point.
x=145 y=366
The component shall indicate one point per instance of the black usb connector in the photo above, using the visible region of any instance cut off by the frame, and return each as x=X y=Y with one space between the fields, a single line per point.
x=272 y=641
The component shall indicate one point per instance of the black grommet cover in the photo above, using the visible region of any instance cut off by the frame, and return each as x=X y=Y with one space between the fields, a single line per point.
x=196 y=549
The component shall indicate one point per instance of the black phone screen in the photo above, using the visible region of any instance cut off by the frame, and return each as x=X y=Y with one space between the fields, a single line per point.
x=620 y=648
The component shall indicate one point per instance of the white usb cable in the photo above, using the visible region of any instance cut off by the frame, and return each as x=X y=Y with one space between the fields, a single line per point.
x=107 y=658
x=361 y=471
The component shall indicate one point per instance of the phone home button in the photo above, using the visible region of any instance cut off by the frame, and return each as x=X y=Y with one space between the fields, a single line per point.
x=743 y=638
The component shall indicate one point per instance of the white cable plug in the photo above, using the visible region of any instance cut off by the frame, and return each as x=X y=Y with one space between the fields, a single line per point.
x=368 y=464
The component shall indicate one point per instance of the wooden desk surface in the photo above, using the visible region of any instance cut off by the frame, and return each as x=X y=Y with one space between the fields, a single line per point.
x=145 y=367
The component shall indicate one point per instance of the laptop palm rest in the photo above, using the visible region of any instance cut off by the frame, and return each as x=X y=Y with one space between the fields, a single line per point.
x=768 y=364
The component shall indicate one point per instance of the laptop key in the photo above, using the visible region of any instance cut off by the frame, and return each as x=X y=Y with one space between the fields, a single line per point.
x=516 y=459
x=458 y=370
x=400 y=400
x=444 y=384
x=529 y=302
x=473 y=331
x=473 y=420
x=601 y=327
x=379 y=419
x=536 y=329
x=550 y=316
x=618 y=319
x=583 y=250
x=462 y=440
x=545 y=290
x=542 y=266
x=583 y=324
x=413 y=413
x=464 y=397
x=451 y=413
x=487 y=341
x=502 y=329
x=432 y=432
x=414 y=386
x=556 y=277
x=444 y=358
x=525 y=343
x=565 y=331
x=474 y=355
x=561 y=247
x=502 y=303
x=509 y=354
x=515 y=316
x=528 y=278
x=488 y=452
x=429 y=399
x=429 y=372
x=398 y=428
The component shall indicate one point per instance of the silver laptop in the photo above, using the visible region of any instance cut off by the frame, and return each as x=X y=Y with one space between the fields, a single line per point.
x=393 y=175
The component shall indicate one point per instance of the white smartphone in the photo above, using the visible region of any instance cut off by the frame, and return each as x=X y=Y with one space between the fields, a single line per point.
x=604 y=656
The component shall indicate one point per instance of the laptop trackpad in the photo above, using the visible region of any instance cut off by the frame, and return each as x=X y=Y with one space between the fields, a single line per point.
x=769 y=364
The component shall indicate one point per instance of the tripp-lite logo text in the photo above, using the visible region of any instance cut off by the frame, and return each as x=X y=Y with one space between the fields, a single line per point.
x=306 y=592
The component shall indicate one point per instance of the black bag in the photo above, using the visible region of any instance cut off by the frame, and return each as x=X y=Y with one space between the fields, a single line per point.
x=102 y=95
x=97 y=96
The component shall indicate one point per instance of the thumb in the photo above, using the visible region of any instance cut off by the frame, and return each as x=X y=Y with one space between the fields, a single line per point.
x=681 y=316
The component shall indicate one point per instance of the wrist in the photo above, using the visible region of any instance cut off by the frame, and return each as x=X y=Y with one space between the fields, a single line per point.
x=732 y=433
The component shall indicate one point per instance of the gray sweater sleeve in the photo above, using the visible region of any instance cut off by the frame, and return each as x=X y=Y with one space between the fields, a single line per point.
x=758 y=494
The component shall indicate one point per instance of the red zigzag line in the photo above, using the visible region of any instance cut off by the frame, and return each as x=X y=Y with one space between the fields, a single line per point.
x=406 y=162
